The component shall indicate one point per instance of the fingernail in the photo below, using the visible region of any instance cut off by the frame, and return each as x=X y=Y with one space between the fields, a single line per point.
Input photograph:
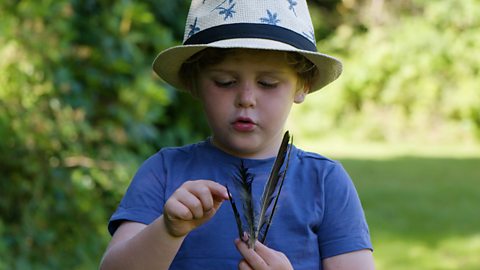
x=245 y=237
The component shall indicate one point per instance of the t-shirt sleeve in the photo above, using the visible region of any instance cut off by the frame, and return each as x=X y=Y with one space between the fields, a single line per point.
x=143 y=202
x=343 y=228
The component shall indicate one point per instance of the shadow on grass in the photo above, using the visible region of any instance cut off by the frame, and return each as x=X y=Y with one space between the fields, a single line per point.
x=417 y=198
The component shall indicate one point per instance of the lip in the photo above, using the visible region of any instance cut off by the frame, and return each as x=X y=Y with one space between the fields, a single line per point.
x=244 y=124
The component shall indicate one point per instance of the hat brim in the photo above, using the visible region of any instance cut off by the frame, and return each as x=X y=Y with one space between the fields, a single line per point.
x=167 y=63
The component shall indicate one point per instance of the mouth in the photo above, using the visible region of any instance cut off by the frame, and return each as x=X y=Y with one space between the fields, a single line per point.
x=243 y=124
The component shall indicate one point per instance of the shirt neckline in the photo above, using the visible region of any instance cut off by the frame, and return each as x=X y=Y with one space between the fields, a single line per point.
x=248 y=162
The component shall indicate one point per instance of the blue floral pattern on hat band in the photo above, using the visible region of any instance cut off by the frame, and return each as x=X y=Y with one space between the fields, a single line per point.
x=271 y=18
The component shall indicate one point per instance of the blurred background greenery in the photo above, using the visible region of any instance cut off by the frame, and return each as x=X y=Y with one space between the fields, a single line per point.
x=80 y=109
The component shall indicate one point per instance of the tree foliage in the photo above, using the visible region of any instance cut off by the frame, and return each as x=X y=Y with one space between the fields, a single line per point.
x=411 y=73
x=79 y=110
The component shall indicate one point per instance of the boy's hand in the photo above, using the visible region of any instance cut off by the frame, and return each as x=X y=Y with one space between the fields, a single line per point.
x=261 y=258
x=191 y=205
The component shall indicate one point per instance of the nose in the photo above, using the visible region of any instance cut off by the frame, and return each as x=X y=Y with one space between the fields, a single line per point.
x=245 y=96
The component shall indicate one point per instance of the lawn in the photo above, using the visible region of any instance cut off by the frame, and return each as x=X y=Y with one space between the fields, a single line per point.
x=422 y=207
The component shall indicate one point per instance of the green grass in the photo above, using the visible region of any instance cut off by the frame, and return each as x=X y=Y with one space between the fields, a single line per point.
x=422 y=202
x=423 y=212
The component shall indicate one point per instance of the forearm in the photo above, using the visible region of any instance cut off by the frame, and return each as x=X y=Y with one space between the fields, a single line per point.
x=151 y=248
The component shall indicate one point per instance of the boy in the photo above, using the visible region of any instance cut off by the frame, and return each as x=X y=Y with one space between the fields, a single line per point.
x=247 y=62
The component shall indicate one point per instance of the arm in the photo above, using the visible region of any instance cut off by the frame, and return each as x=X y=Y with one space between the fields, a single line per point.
x=138 y=246
x=344 y=227
x=357 y=260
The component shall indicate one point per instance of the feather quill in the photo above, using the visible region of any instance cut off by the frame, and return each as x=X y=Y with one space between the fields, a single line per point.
x=271 y=185
x=238 y=220
x=269 y=221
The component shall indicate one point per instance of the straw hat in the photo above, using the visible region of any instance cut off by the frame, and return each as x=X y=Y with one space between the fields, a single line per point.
x=283 y=25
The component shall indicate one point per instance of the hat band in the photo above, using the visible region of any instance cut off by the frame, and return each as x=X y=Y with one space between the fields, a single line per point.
x=252 y=30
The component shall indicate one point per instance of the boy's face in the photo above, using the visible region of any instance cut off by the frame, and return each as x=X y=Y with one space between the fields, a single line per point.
x=247 y=98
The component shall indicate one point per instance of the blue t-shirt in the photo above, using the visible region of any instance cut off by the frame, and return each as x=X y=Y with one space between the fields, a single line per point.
x=318 y=214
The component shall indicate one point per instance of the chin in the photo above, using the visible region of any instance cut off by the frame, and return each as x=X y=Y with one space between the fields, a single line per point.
x=242 y=147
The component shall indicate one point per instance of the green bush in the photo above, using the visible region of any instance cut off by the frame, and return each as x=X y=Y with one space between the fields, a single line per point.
x=79 y=110
x=411 y=74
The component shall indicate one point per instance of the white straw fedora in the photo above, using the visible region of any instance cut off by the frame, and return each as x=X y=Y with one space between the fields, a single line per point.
x=283 y=25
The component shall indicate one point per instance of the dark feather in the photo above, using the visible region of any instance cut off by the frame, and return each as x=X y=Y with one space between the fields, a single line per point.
x=244 y=181
x=271 y=185
x=238 y=220
x=269 y=221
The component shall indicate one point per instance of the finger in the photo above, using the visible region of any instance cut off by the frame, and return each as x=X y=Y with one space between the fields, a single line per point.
x=274 y=259
x=243 y=265
x=218 y=191
x=204 y=195
x=266 y=253
x=201 y=196
x=190 y=201
x=210 y=193
x=251 y=257
x=177 y=210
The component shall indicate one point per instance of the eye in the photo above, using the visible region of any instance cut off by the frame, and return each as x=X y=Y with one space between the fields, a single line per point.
x=268 y=83
x=224 y=83
x=222 y=80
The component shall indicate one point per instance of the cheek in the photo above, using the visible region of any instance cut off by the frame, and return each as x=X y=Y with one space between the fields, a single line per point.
x=209 y=107
x=278 y=110
x=214 y=107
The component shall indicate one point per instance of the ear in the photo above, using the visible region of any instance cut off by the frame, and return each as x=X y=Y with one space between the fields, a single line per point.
x=301 y=94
